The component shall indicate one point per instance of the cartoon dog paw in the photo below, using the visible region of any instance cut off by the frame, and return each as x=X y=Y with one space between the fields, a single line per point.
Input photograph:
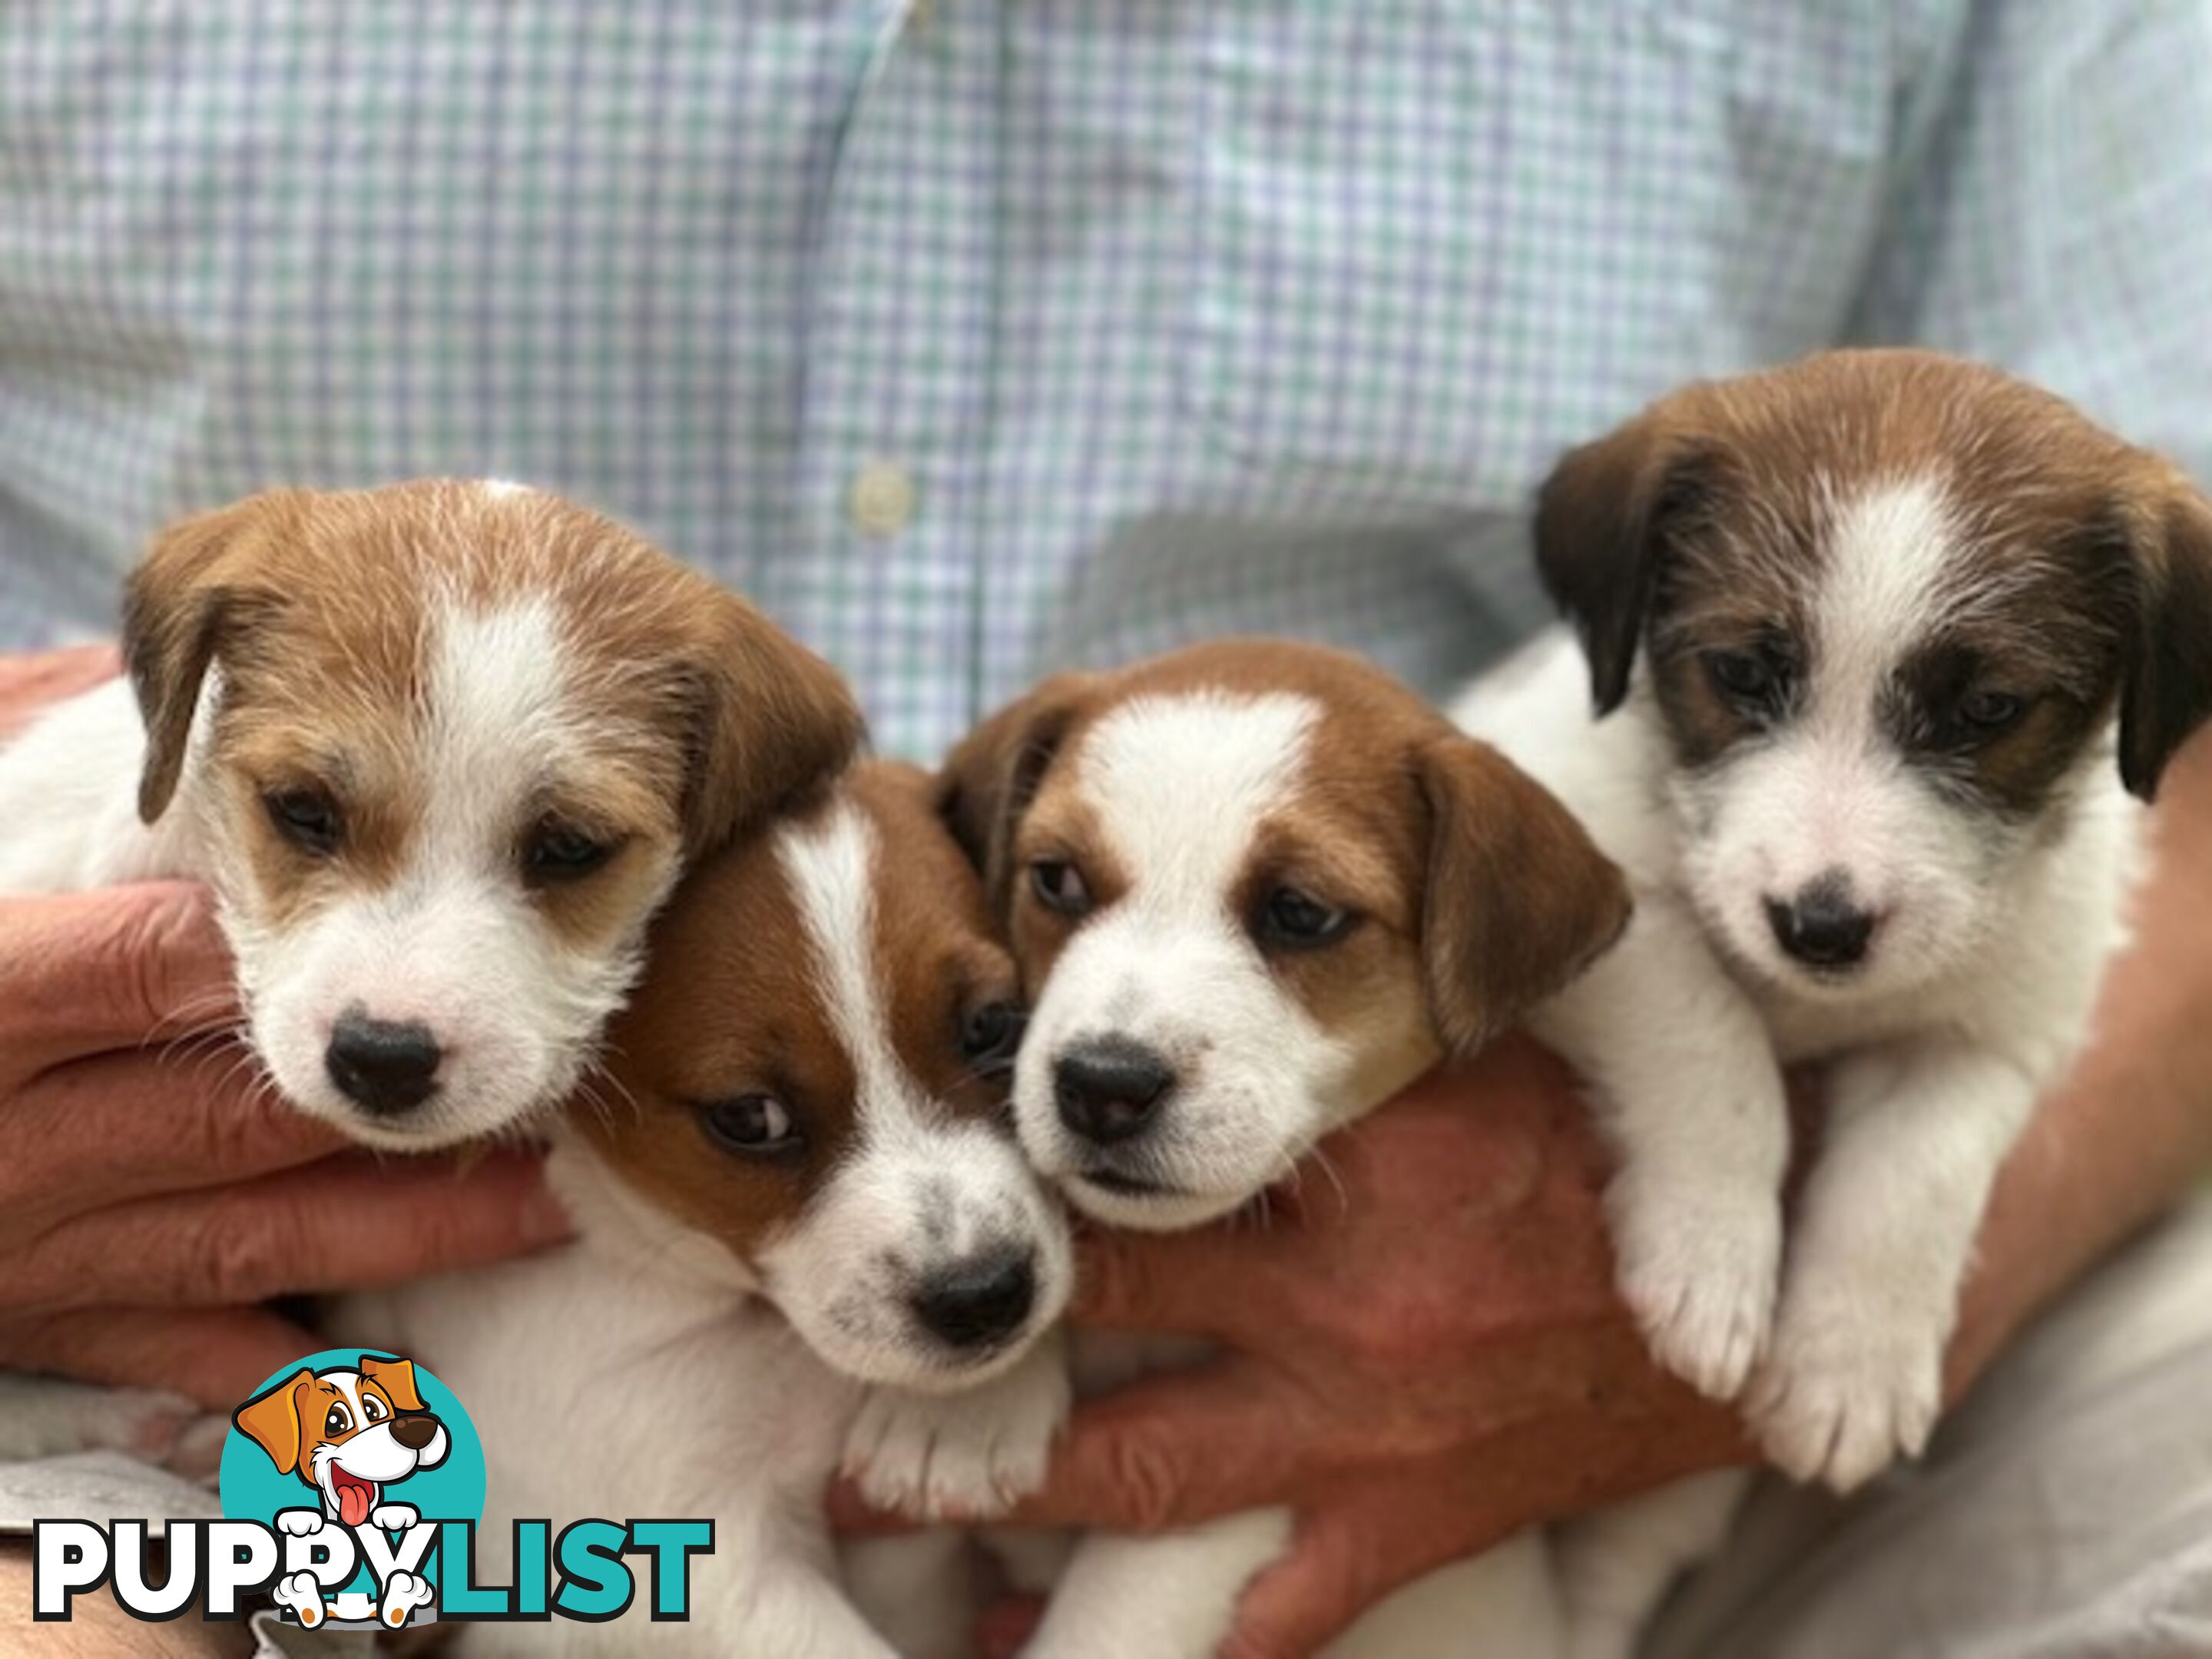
x=964 y=1456
x=394 y=1518
x=299 y=1523
x=301 y=1594
x=404 y=1592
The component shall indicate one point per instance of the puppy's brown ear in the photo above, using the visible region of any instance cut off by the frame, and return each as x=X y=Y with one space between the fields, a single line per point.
x=769 y=721
x=993 y=772
x=1602 y=520
x=2166 y=692
x=186 y=592
x=272 y=1420
x=1519 y=899
x=397 y=1378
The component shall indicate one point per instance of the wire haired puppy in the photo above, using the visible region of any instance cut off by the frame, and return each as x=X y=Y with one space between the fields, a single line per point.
x=1881 y=644
x=441 y=749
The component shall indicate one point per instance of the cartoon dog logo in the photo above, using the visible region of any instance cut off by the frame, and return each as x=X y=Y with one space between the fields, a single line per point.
x=349 y=1434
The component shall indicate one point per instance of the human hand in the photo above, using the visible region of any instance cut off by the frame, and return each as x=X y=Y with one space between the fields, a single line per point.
x=153 y=1192
x=1422 y=1353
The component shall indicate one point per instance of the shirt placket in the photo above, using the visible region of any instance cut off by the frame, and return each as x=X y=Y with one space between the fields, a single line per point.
x=894 y=418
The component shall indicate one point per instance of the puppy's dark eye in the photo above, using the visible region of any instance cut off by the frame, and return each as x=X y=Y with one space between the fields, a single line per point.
x=1988 y=713
x=1059 y=886
x=307 y=818
x=760 y=1126
x=338 y=1421
x=991 y=1033
x=1295 y=920
x=561 y=852
x=371 y=1409
x=1749 y=679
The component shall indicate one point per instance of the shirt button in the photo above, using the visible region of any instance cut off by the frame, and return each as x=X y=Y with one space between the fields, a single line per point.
x=880 y=501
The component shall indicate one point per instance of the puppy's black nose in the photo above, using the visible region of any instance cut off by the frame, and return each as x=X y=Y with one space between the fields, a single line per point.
x=1823 y=927
x=1108 y=1088
x=414 y=1429
x=980 y=1301
x=384 y=1066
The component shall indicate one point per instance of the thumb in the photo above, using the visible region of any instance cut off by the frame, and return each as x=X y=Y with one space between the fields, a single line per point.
x=1177 y=1450
x=1348 y=1555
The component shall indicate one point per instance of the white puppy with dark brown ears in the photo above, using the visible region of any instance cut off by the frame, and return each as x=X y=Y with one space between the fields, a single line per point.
x=1880 y=642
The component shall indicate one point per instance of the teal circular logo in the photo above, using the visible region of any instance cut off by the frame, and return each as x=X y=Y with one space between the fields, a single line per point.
x=361 y=1442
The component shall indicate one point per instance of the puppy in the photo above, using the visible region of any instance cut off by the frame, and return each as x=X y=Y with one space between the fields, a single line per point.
x=801 y=1188
x=440 y=749
x=1880 y=644
x=1255 y=889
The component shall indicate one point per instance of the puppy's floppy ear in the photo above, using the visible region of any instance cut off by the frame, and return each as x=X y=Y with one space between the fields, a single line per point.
x=1519 y=900
x=1602 y=517
x=2166 y=689
x=186 y=592
x=769 y=721
x=272 y=1420
x=993 y=772
x=396 y=1377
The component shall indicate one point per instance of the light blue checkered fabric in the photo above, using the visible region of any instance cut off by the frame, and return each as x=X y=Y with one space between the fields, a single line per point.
x=1179 y=316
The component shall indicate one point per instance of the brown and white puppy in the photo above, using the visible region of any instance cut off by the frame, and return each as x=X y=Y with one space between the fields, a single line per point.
x=441 y=749
x=801 y=1186
x=1255 y=888
x=1881 y=644
x=348 y=1433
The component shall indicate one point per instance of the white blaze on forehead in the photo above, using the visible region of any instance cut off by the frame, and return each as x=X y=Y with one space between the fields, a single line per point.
x=499 y=721
x=500 y=489
x=1181 y=784
x=1883 y=586
x=831 y=866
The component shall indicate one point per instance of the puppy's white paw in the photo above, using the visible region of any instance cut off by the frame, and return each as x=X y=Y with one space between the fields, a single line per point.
x=404 y=1592
x=958 y=1456
x=301 y=1594
x=1700 y=1279
x=1845 y=1391
x=393 y=1517
x=299 y=1523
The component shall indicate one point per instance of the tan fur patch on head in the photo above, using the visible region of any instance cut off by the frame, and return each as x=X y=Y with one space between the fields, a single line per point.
x=732 y=1004
x=1359 y=831
x=325 y=613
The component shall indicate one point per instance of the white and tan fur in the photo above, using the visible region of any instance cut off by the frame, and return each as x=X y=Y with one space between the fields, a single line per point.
x=1255 y=889
x=460 y=678
x=440 y=749
x=1974 y=614
x=830 y=994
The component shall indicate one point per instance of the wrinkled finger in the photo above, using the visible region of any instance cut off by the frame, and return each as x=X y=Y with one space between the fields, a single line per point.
x=83 y=973
x=1213 y=1282
x=852 y=1516
x=1178 y=1449
x=126 y=1125
x=215 y=1356
x=348 y=1222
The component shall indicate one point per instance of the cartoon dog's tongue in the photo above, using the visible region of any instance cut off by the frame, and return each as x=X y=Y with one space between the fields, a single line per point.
x=355 y=1497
